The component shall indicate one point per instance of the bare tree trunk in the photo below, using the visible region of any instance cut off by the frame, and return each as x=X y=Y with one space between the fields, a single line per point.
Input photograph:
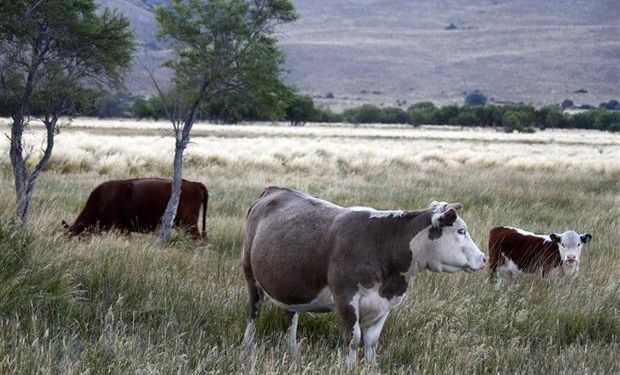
x=167 y=220
x=19 y=169
x=182 y=139
x=24 y=183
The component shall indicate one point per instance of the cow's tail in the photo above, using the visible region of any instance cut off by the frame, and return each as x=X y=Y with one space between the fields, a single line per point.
x=205 y=202
x=494 y=253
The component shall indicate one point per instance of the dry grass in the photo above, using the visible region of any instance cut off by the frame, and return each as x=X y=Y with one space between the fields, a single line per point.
x=114 y=304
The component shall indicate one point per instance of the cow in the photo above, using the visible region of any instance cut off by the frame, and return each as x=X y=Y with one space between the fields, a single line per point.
x=310 y=255
x=515 y=251
x=137 y=205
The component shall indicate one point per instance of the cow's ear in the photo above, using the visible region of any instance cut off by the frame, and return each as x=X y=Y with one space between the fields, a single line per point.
x=456 y=206
x=447 y=218
x=554 y=237
x=585 y=238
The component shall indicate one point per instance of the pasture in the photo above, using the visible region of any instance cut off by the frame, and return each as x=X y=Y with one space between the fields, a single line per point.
x=121 y=304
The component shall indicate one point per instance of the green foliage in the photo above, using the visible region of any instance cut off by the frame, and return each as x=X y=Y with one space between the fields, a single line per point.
x=446 y=115
x=475 y=98
x=300 y=109
x=421 y=113
x=142 y=108
x=226 y=58
x=364 y=114
x=45 y=63
x=611 y=105
x=394 y=115
x=466 y=117
x=567 y=103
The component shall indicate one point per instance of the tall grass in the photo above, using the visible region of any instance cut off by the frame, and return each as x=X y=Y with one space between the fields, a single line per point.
x=120 y=304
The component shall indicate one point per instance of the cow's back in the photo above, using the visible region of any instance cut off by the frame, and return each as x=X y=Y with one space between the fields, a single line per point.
x=288 y=241
x=528 y=252
x=149 y=197
x=110 y=200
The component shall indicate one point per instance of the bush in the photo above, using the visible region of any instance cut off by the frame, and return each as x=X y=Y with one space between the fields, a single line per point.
x=603 y=120
x=445 y=115
x=365 y=114
x=475 y=98
x=611 y=105
x=326 y=115
x=113 y=105
x=421 y=113
x=394 y=115
x=567 y=103
x=511 y=121
x=466 y=118
x=300 y=109
x=584 y=120
x=142 y=108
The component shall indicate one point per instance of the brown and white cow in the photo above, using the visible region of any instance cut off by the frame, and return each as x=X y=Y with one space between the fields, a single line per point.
x=515 y=251
x=310 y=255
x=137 y=205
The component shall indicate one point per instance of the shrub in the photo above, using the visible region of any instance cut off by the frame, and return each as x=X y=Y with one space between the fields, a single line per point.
x=300 y=109
x=394 y=115
x=421 y=113
x=475 y=98
x=611 y=105
x=511 y=121
x=445 y=115
x=615 y=127
x=468 y=116
x=567 y=103
x=142 y=108
x=365 y=114
x=603 y=120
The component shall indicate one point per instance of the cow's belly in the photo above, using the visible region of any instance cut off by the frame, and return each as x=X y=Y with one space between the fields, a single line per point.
x=511 y=267
x=323 y=302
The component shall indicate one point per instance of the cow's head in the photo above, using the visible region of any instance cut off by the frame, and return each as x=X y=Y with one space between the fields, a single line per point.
x=73 y=230
x=570 y=244
x=446 y=245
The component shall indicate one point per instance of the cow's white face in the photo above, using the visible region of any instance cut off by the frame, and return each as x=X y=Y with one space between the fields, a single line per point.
x=570 y=244
x=447 y=246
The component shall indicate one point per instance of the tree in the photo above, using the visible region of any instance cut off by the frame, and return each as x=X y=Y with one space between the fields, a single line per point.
x=300 y=109
x=475 y=98
x=218 y=46
x=394 y=115
x=364 y=114
x=50 y=51
x=421 y=113
x=567 y=103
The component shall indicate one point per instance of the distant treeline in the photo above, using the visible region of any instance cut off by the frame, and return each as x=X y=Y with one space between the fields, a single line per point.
x=299 y=109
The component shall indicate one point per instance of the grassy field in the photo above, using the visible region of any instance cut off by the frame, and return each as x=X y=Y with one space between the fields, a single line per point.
x=117 y=304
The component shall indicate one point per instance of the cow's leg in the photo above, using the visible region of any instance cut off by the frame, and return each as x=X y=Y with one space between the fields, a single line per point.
x=348 y=314
x=195 y=233
x=371 y=337
x=292 y=331
x=502 y=274
x=253 y=305
x=547 y=267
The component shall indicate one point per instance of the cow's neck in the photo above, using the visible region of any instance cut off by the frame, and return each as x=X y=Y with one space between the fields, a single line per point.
x=412 y=225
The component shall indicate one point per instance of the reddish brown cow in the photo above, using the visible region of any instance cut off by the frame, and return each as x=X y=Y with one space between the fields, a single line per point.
x=515 y=251
x=137 y=205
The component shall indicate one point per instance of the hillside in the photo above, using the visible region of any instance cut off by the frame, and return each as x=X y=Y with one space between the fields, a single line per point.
x=383 y=51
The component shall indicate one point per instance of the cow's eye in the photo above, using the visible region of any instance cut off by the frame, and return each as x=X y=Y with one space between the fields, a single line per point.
x=461 y=231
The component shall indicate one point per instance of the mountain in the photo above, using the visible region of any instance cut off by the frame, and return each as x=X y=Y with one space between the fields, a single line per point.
x=385 y=51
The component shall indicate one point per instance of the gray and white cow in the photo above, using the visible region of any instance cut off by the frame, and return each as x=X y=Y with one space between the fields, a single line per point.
x=310 y=255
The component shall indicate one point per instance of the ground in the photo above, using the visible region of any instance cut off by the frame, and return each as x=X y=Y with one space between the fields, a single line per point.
x=121 y=304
